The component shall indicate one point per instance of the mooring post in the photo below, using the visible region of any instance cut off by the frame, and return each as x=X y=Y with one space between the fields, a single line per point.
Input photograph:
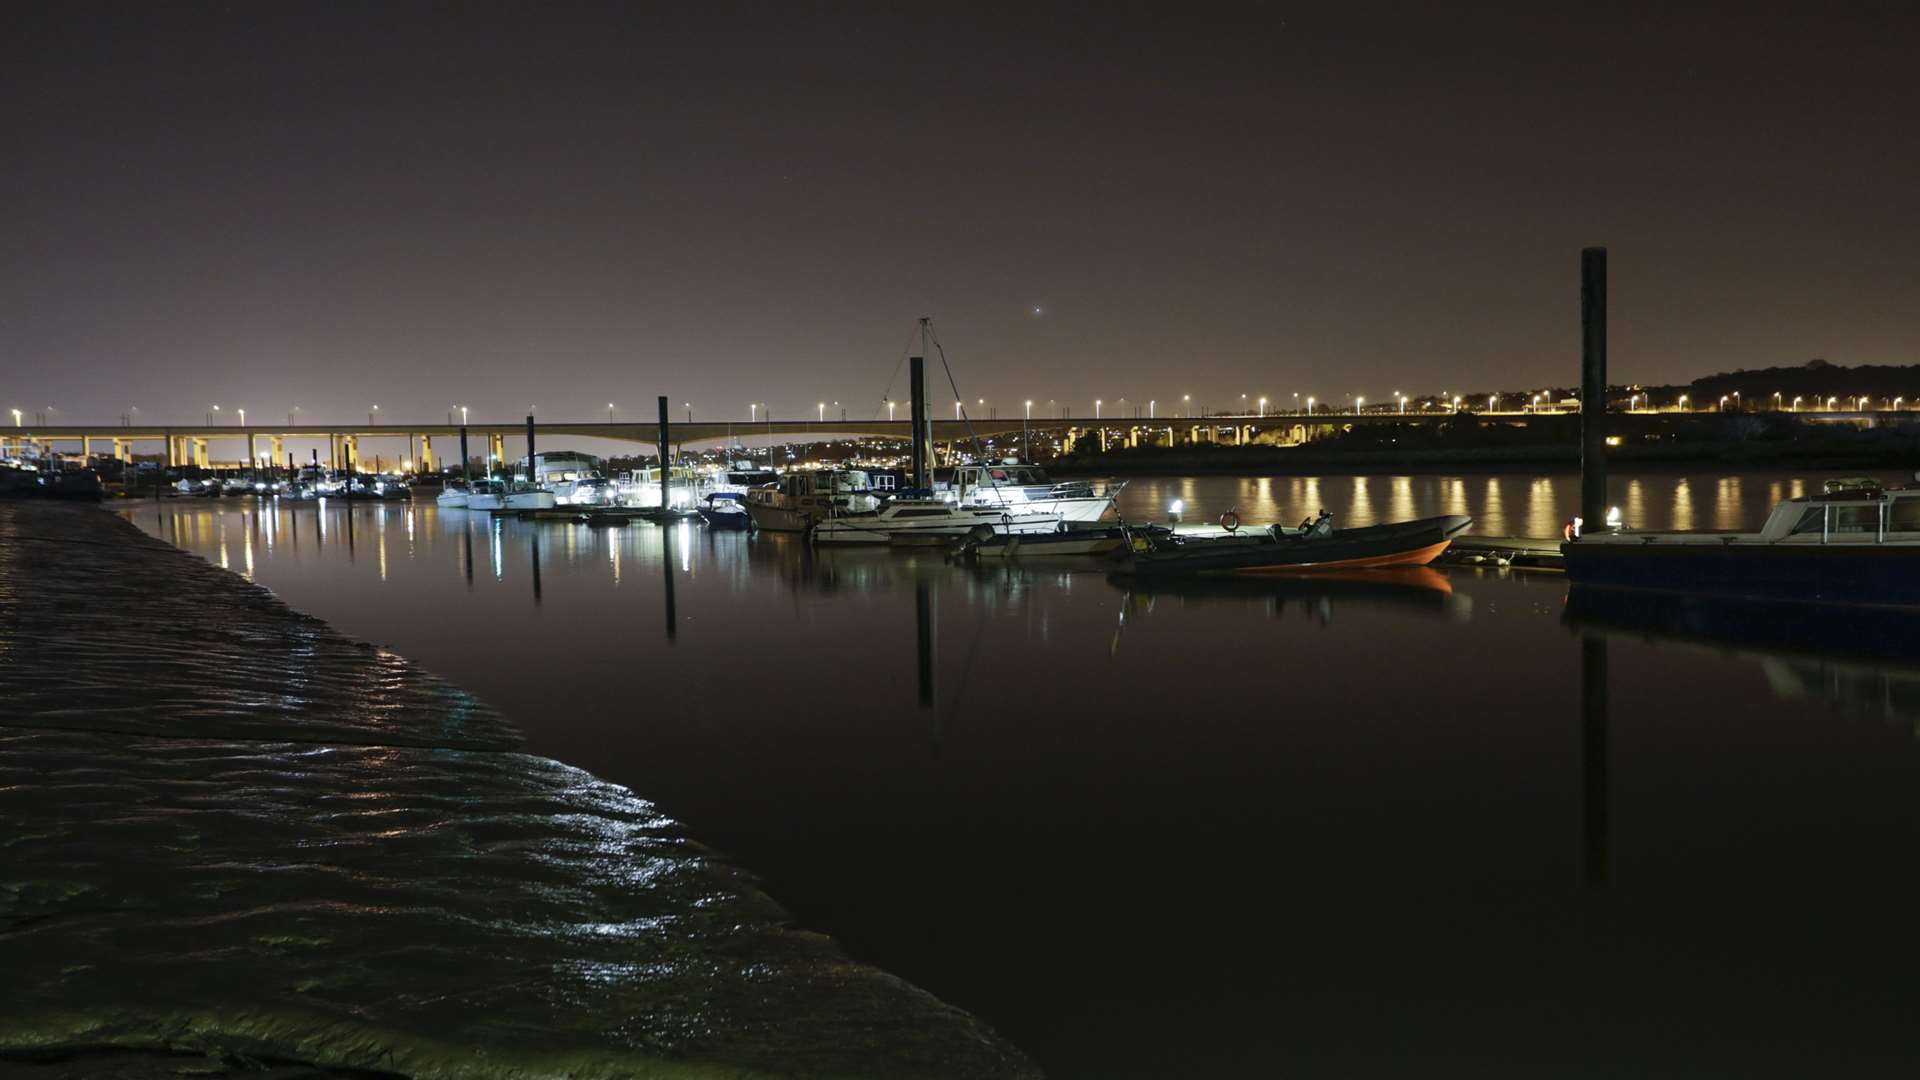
x=666 y=472
x=529 y=449
x=916 y=412
x=466 y=470
x=1593 y=387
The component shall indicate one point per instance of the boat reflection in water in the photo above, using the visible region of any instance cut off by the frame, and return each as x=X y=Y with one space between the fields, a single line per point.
x=1862 y=660
x=1416 y=590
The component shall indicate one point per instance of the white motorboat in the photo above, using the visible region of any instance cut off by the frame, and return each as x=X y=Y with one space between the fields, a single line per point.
x=452 y=497
x=486 y=495
x=524 y=496
x=641 y=488
x=907 y=520
x=1019 y=487
x=595 y=490
x=805 y=497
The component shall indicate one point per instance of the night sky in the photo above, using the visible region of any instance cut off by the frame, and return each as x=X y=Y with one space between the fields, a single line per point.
x=269 y=205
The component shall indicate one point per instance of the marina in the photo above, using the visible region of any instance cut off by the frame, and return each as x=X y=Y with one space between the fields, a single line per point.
x=925 y=829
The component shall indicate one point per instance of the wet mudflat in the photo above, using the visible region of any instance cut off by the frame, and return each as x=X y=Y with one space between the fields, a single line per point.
x=1335 y=827
x=227 y=830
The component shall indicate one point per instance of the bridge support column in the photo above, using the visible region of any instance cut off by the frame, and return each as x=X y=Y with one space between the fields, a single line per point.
x=86 y=446
x=426 y=454
x=200 y=452
x=349 y=452
x=275 y=444
x=253 y=452
x=497 y=451
x=173 y=452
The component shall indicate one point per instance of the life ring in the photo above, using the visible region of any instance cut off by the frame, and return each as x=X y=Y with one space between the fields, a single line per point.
x=1230 y=520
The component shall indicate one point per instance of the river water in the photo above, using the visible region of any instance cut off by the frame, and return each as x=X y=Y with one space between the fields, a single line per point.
x=1340 y=827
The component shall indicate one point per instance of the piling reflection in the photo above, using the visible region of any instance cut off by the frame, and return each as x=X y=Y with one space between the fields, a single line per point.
x=1859 y=660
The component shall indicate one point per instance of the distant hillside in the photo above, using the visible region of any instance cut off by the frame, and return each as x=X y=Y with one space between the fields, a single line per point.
x=1815 y=379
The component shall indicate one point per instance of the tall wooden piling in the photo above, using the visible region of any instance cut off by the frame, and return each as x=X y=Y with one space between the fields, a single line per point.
x=466 y=469
x=916 y=411
x=1593 y=386
x=666 y=471
x=530 y=470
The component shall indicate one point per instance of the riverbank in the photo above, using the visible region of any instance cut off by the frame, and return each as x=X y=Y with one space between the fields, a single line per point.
x=231 y=832
x=1306 y=461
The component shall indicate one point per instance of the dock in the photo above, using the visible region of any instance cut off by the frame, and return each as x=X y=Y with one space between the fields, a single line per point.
x=1524 y=552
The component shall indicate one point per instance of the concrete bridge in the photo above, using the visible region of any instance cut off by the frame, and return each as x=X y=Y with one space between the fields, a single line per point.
x=428 y=443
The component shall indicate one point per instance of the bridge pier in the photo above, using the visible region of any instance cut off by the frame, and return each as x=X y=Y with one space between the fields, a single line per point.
x=253 y=452
x=350 y=452
x=200 y=452
x=497 y=451
x=278 y=447
x=426 y=454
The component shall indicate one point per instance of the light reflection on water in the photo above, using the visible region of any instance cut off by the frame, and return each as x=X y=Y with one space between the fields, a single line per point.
x=1072 y=807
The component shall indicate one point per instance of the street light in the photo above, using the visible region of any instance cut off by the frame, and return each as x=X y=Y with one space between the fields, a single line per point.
x=370 y=411
x=890 y=410
x=1683 y=402
x=1186 y=404
x=1029 y=415
x=1263 y=408
x=243 y=417
x=823 y=412
x=1797 y=399
x=1896 y=403
x=463 y=414
x=1359 y=405
x=216 y=409
x=1309 y=406
x=16 y=418
x=1151 y=402
x=753 y=412
x=609 y=412
x=1096 y=408
x=292 y=414
x=688 y=405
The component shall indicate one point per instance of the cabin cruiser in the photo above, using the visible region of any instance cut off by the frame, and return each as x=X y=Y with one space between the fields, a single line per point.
x=641 y=487
x=453 y=496
x=726 y=510
x=806 y=496
x=522 y=495
x=1855 y=542
x=488 y=494
x=910 y=519
x=1017 y=486
x=594 y=490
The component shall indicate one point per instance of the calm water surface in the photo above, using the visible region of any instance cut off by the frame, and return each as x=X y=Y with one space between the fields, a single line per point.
x=1337 y=827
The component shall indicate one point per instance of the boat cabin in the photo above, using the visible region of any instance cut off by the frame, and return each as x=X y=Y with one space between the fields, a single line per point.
x=1848 y=511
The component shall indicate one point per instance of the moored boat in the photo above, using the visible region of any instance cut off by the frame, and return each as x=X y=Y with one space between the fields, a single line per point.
x=452 y=497
x=1278 y=550
x=1855 y=542
x=1065 y=541
x=486 y=495
x=726 y=510
x=908 y=520
x=1019 y=487
x=805 y=497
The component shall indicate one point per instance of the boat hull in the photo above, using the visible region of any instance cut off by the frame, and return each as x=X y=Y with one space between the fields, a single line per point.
x=530 y=500
x=856 y=531
x=1411 y=543
x=1830 y=573
x=451 y=500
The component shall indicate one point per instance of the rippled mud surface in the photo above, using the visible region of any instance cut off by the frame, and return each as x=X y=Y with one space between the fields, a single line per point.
x=232 y=839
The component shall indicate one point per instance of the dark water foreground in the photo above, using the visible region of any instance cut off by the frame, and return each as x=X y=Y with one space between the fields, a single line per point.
x=228 y=831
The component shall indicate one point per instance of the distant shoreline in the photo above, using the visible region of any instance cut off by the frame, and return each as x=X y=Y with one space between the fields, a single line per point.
x=1278 y=461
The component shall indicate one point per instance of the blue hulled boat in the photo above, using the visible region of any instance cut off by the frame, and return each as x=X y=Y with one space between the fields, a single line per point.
x=1855 y=542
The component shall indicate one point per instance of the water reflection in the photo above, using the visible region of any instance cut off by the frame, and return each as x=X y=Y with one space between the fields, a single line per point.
x=1025 y=785
x=1861 y=661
